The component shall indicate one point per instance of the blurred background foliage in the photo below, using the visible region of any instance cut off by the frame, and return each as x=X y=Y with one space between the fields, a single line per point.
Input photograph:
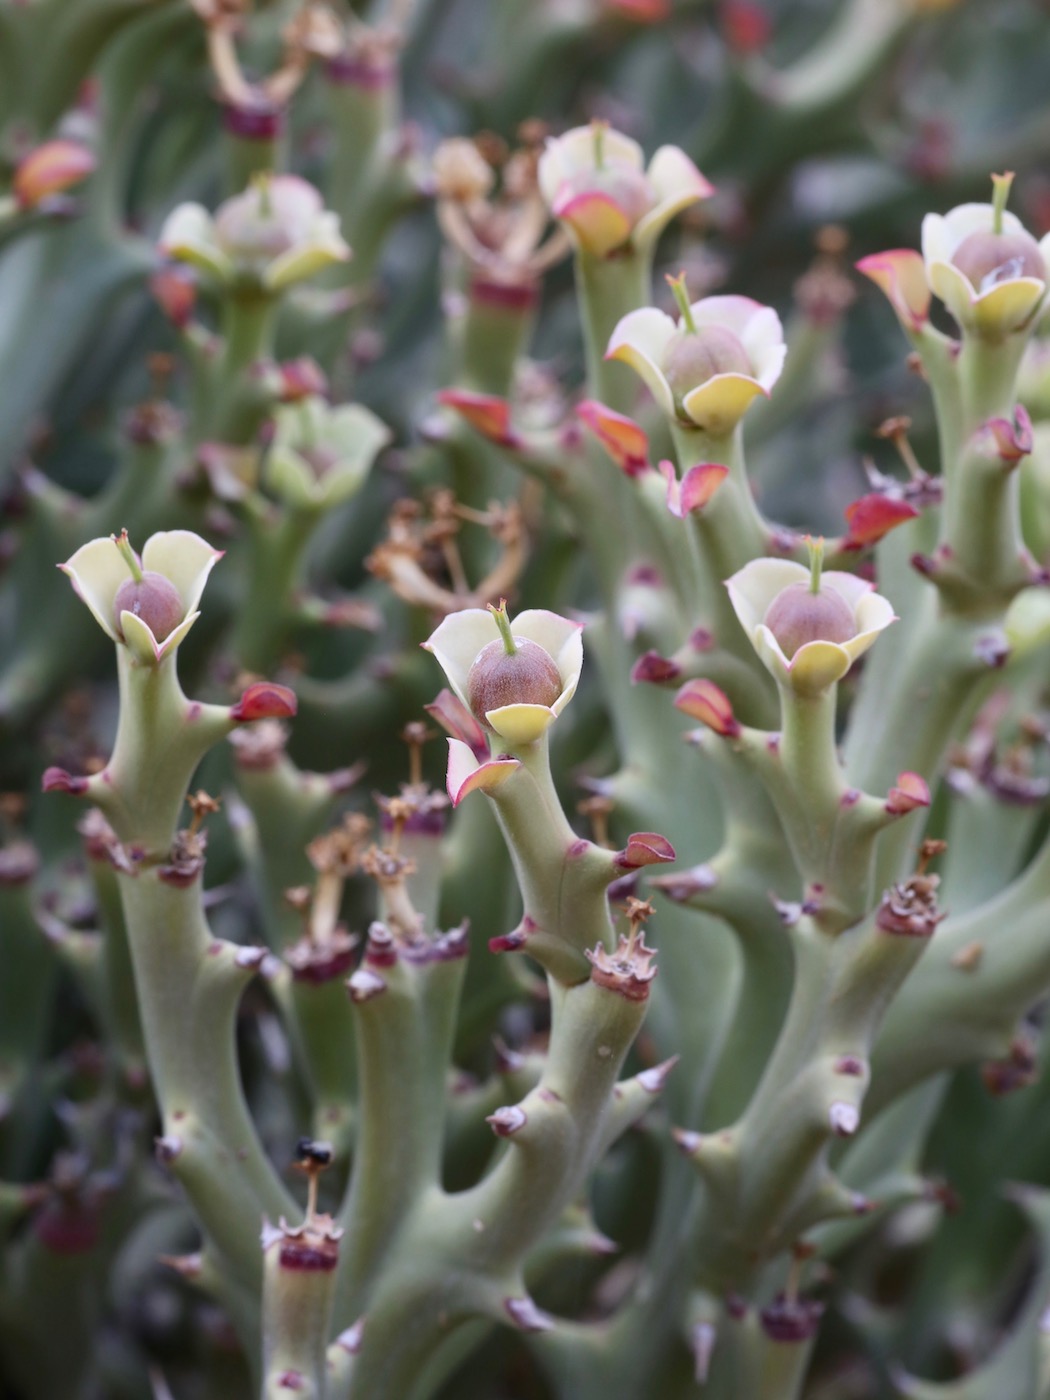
x=829 y=127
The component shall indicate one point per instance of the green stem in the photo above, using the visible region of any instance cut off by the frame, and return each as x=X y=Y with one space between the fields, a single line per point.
x=608 y=288
x=810 y=763
x=188 y=987
x=404 y=1045
x=460 y=1255
x=277 y=542
x=160 y=740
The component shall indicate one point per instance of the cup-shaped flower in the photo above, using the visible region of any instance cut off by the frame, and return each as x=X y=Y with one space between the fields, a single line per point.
x=530 y=685
x=900 y=274
x=277 y=232
x=321 y=455
x=806 y=640
x=985 y=266
x=147 y=603
x=704 y=370
x=595 y=181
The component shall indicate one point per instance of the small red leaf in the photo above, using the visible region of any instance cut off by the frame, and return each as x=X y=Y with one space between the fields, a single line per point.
x=645 y=848
x=703 y=700
x=873 y=516
x=264 y=700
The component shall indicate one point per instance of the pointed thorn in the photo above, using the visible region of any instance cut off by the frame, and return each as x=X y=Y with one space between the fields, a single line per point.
x=703 y=1344
x=167 y=1148
x=688 y=1142
x=508 y=1060
x=850 y=1065
x=505 y=1122
x=685 y=884
x=251 y=959
x=524 y=1313
x=844 y=1119
x=188 y=1265
x=655 y=669
x=350 y=1339
x=264 y=700
x=511 y=942
x=364 y=985
x=653 y=1080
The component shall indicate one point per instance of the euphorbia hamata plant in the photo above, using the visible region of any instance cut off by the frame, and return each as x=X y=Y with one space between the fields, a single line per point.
x=671 y=1026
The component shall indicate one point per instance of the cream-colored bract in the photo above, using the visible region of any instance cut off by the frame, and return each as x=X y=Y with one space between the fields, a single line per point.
x=98 y=569
x=466 y=774
x=1004 y=306
x=277 y=229
x=461 y=636
x=320 y=455
x=816 y=665
x=641 y=339
x=597 y=222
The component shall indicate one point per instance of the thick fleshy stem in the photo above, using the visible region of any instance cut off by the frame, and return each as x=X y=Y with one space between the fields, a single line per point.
x=27 y=979
x=563 y=879
x=608 y=289
x=277 y=541
x=298 y=1287
x=459 y=1256
x=984 y=971
x=189 y=986
x=404 y=1008
x=766 y=1178
x=733 y=886
x=188 y=983
x=832 y=830
x=161 y=737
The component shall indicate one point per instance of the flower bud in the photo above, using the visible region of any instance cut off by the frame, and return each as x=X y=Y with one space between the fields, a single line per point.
x=692 y=358
x=803 y=640
x=154 y=599
x=799 y=615
x=984 y=265
x=989 y=258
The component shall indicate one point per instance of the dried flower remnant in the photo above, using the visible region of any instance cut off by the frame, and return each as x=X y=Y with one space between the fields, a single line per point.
x=630 y=970
x=910 y=908
x=421 y=561
x=501 y=235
